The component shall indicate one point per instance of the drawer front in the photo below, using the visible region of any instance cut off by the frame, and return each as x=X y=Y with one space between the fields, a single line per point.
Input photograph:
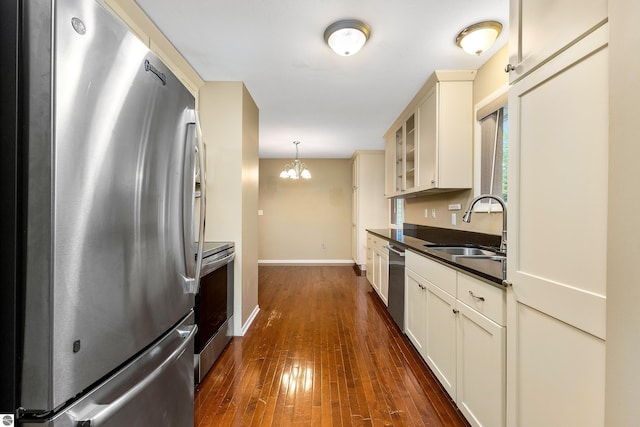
x=436 y=273
x=379 y=243
x=482 y=297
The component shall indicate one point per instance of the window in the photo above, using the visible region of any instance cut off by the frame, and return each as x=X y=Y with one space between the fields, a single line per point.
x=493 y=165
x=492 y=150
x=397 y=212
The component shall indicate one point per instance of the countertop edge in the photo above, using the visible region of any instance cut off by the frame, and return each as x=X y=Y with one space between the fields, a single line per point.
x=416 y=245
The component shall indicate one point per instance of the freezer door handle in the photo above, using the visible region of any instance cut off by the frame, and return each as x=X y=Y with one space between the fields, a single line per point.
x=101 y=413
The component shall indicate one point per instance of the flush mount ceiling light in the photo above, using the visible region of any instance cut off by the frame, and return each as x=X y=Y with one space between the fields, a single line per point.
x=479 y=37
x=346 y=37
x=296 y=169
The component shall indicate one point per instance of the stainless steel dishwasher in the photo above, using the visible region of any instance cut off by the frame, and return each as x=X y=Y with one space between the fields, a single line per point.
x=396 y=284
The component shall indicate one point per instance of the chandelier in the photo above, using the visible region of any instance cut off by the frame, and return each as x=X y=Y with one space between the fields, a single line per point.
x=296 y=169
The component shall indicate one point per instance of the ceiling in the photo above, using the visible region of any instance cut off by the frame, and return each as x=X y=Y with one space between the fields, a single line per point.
x=334 y=105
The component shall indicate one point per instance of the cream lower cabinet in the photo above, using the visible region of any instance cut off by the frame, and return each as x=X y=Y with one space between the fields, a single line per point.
x=369 y=259
x=440 y=349
x=415 y=326
x=381 y=256
x=458 y=329
x=481 y=352
x=379 y=276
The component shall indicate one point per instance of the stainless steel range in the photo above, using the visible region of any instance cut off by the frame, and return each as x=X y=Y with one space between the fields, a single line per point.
x=214 y=305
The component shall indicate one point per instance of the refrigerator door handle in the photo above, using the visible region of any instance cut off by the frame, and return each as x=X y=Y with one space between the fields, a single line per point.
x=200 y=150
x=101 y=413
x=194 y=148
x=188 y=210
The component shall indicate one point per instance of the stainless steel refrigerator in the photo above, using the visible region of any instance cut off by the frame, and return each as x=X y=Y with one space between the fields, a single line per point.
x=98 y=269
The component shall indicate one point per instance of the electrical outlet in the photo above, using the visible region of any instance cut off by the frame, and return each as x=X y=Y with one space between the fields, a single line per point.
x=324 y=245
x=433 y=213
x=426 y=213
x=260 y=212
x=454 y=219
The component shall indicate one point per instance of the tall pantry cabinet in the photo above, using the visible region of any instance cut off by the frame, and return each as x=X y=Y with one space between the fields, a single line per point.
x=369 y=207
x=557 y=259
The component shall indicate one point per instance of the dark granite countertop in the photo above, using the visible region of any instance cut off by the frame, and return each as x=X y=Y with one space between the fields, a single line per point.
x=415 y=237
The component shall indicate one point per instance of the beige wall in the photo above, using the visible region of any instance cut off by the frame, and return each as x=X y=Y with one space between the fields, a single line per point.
x=249 y=207
x=300 y=216
x=229 y=119
x=623 y=289
x=490 y=78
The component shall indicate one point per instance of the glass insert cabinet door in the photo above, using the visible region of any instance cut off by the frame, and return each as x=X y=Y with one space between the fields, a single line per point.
x=405 y=150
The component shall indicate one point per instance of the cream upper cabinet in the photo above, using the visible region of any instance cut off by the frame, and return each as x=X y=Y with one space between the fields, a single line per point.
x=404 y=151
x=557 y=258
x=541 y=29
x=431 y=142
x=445 y=134
x=427 y=121
x=390 y=165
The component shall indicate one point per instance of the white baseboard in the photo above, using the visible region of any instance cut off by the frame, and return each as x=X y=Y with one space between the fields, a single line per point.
x=306 y=262
x=250 y=320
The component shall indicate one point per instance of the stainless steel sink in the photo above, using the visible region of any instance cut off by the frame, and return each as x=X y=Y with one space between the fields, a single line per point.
x=455 y=252
x=462 y=250
x=491 y=257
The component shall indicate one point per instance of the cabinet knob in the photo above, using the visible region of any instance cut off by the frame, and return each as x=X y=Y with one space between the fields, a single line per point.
x=509 y=68
x=456 y=311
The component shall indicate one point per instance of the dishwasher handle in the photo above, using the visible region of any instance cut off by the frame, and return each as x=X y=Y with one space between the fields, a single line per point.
x=394 y=250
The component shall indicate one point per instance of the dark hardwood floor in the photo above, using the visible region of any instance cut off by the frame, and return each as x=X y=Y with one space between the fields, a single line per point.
x=322 y=352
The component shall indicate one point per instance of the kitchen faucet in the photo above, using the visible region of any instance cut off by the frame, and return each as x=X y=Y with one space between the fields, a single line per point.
x=467 y=217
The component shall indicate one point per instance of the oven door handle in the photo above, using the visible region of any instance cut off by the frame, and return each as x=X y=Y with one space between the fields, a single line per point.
x=208 y=267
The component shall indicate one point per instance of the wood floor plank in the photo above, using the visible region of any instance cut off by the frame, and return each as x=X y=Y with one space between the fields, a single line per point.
x=323 y=351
